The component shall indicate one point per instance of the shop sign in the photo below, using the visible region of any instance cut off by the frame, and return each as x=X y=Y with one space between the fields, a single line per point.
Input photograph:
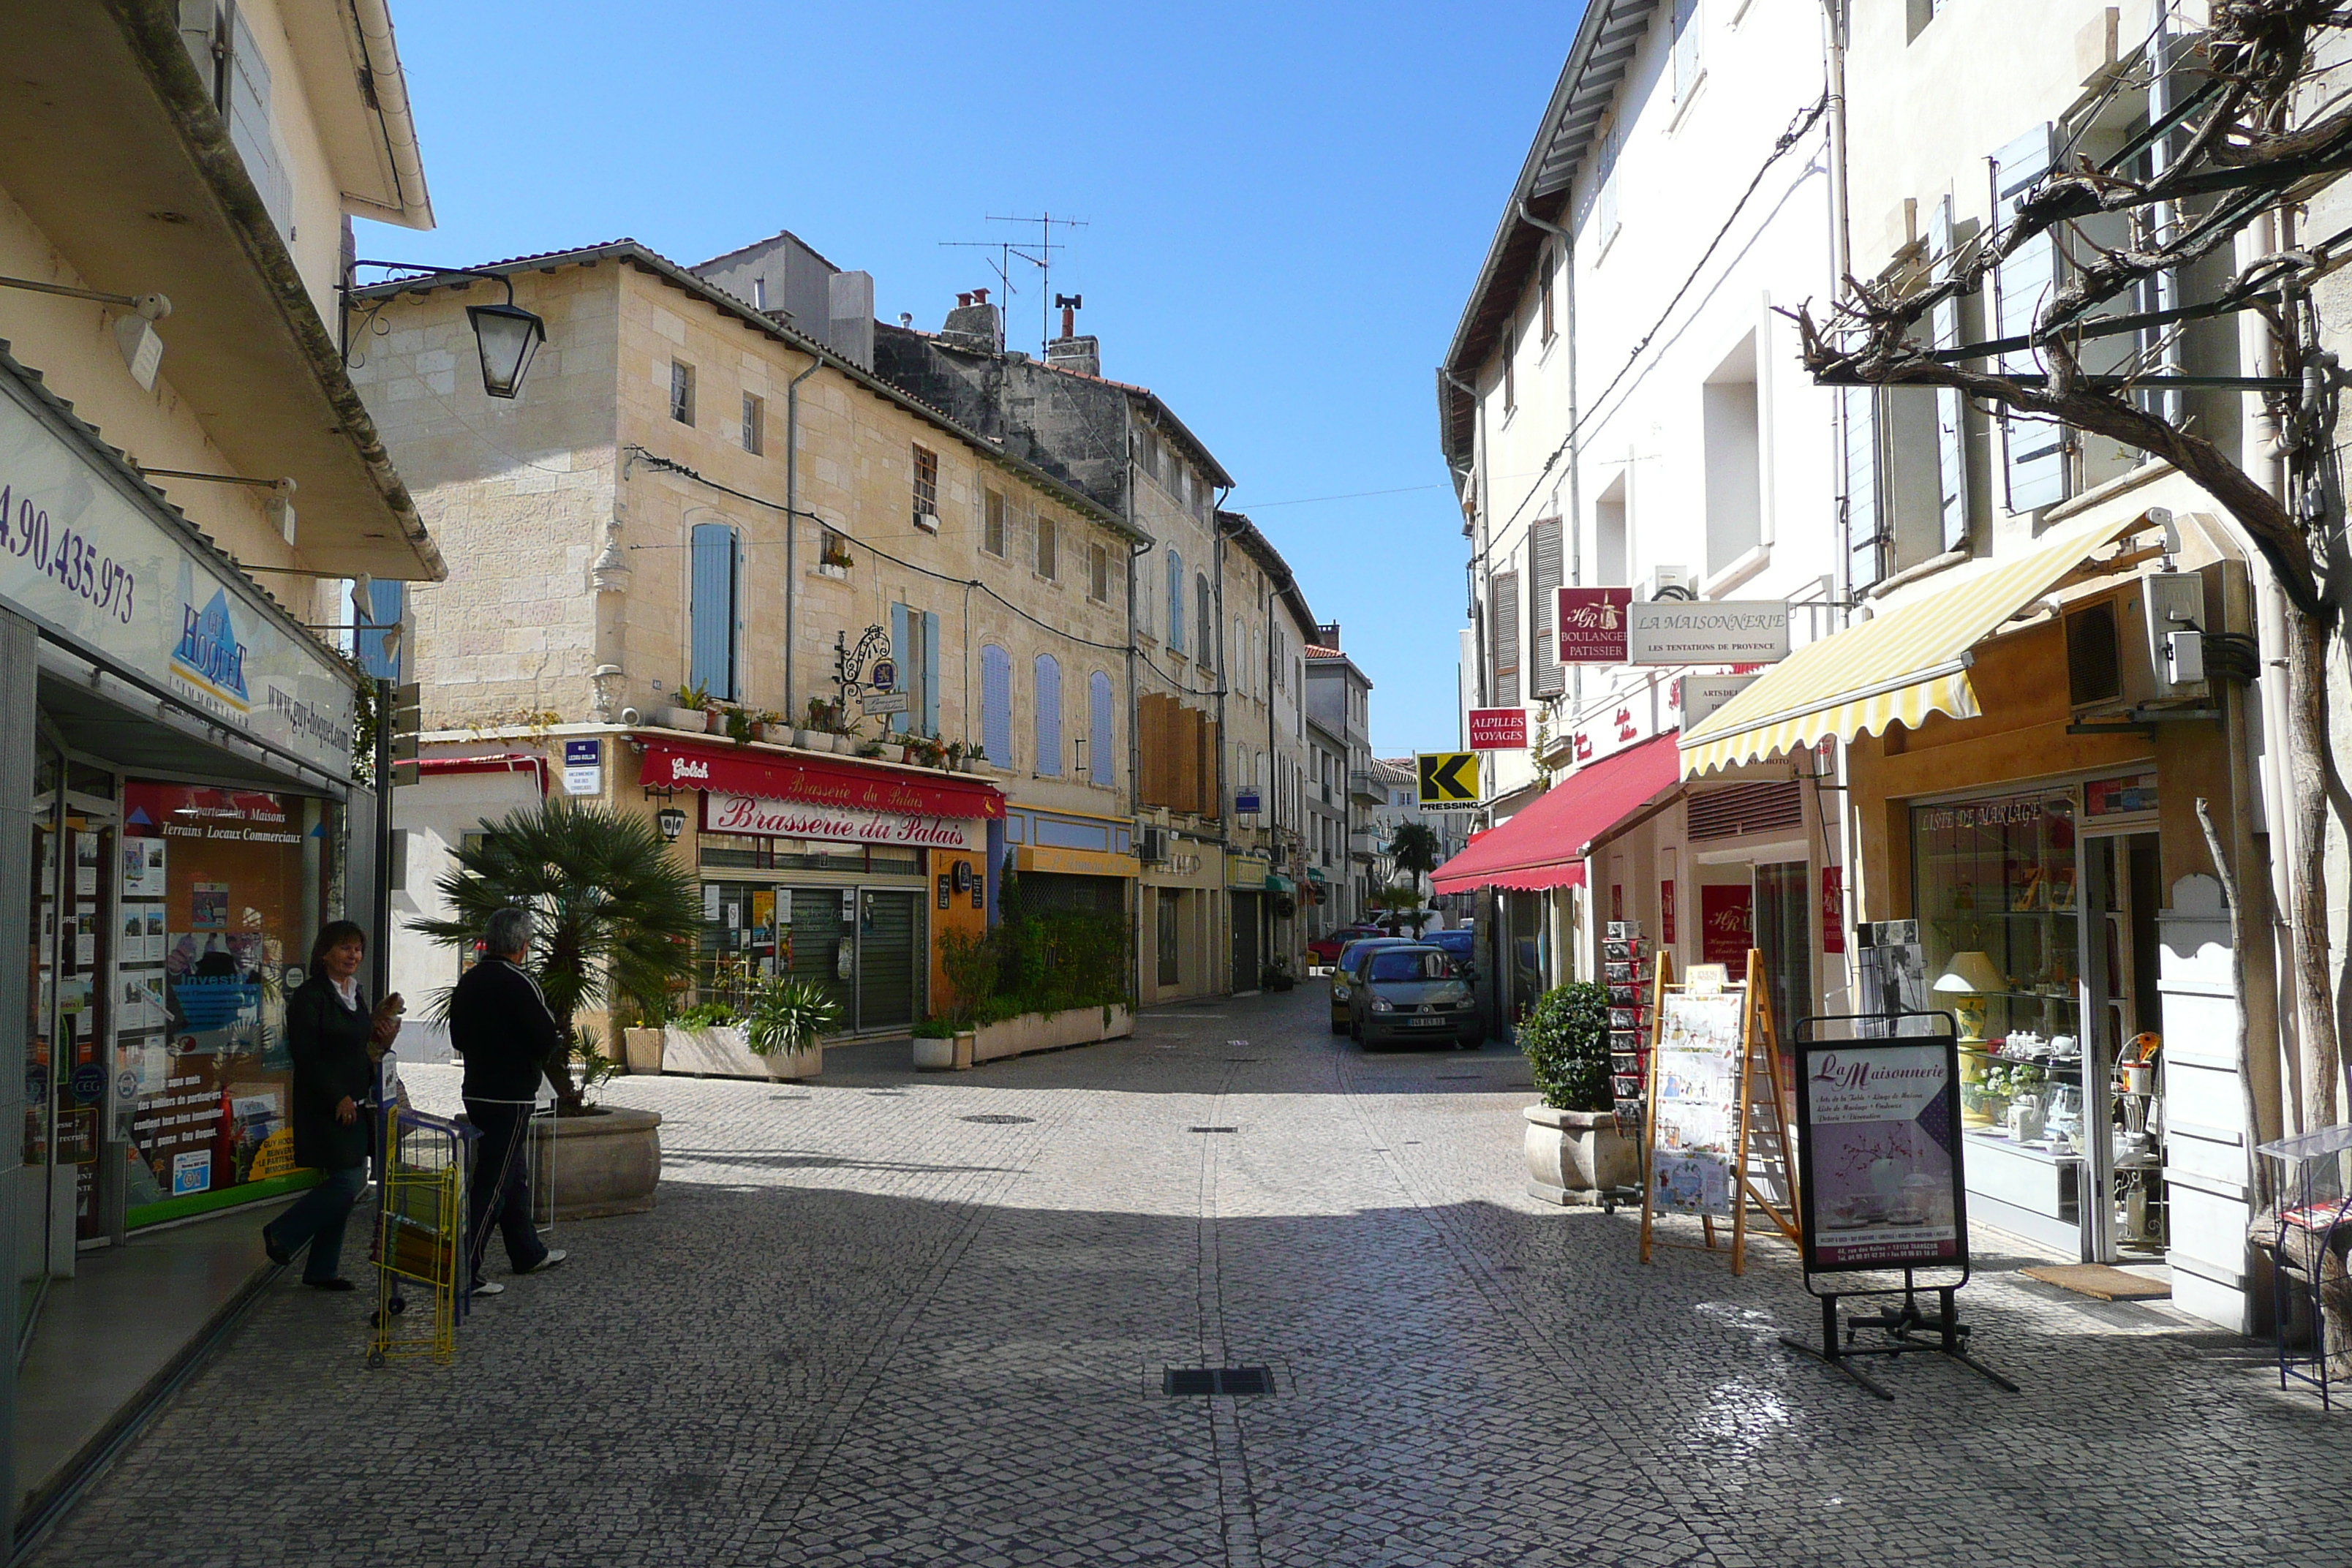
x=1703 y=694
x=802 y=819
x=1879 y=1136
x=1499 y=729
x=583 y=767
x=1247 y=802
x=844 y=784
x=1666 y=911
x=2130 y=796
x=195 y=810
x=83 y=553
x=1832 y=909
x=1722 y=631
x=1591 y=623
x=1724 y=931
x=1614 y=728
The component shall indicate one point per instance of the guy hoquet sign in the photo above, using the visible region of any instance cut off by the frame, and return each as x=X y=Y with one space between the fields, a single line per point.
x=84 y=553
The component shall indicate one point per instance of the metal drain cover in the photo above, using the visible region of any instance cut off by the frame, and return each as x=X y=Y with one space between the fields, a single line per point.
x=993 y=1121
x=1211 y=1130
x=1195 y=1381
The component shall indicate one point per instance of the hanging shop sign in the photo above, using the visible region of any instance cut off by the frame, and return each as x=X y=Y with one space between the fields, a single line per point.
x=1703 y=694
x=1591 y=623
x=1879 y=1139
x=1499 y=729
x=1726 y=631
x=723 y=813
x=86 y=551
x=1725 y=925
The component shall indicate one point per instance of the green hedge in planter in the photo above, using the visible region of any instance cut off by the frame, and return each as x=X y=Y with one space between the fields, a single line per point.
x=1565 y=1038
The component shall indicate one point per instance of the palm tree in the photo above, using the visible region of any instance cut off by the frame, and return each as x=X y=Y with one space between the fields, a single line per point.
x=1414 y=847
x=615 y=914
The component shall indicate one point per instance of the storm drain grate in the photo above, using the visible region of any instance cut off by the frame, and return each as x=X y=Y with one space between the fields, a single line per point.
x=1211 y=1130
x=888 y=1093
x=1197 y=1380
x=993 y=1121
x=1459 y=1076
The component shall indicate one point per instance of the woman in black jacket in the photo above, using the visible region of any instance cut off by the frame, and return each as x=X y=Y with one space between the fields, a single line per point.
x=329 y=1032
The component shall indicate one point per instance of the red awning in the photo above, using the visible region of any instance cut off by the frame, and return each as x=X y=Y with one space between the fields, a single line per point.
x=859 y=787
x=1545 y=845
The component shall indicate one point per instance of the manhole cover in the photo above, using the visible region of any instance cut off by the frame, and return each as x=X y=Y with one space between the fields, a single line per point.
x=1209 y=1130
x=998 y=1121
x=1183 y=1380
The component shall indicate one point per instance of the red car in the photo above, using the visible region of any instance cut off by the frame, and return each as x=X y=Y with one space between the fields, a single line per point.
x=1325 y=949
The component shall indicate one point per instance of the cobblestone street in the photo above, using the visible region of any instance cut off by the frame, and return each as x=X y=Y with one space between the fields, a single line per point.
x=885 y=1319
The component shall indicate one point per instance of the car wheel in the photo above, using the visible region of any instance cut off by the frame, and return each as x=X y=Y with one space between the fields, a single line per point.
x=1338 y=1027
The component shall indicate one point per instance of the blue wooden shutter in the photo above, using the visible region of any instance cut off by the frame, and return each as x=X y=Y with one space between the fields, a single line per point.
x=1175 y=602
x=996 y=704
x=898 y=660
x=1102 y=731
x=1952 y=409
x=712 y=610
x=1866 y=539
x=2034 y=450
x=1048 y=696
x=930 y=673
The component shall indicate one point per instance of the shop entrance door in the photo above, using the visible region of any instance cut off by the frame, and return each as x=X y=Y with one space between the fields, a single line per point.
x=1170 y=969
x=1245 y=943
x=36 y=1206
x=1783 y=916
x=2123 y=1145
x=886 y=960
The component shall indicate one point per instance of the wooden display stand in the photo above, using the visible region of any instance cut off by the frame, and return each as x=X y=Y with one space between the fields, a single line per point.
x=1764 y=1174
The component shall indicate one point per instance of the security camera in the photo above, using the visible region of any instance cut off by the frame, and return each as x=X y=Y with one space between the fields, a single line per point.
x=629 y=716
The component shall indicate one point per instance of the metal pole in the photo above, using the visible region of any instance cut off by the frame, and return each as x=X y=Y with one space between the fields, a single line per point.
x=379 y=945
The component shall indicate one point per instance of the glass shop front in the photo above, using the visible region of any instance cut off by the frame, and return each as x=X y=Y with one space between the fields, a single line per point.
x=849 y=917
x=2037 y=912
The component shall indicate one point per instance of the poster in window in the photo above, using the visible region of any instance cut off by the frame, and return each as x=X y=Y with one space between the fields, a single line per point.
x=1725 y=929
x=1880 y=1135
x=208 y=906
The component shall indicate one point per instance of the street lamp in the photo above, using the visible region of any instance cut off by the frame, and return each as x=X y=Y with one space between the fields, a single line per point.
x=506 y=335
x=672 y=821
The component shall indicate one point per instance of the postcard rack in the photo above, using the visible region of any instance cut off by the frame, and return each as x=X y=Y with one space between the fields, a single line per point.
x=2313 y=1181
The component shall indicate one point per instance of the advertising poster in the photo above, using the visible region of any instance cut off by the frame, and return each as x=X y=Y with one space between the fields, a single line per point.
x=1724 y=925
x=1881 y=1139
x=1694 y=1083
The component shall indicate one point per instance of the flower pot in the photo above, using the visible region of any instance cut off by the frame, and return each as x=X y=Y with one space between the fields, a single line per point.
x=645 y=1050
x=714 y=723
x=608 y=1162
x=693 y=718
x=934 y=1054
x=810 y=740
x=806 y=1063
x=964 y=1042
x=1578 y=1156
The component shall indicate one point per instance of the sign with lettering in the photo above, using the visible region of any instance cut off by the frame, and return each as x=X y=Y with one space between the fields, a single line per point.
x=1705 y=631
x=583 y=767
x=1613 y=729
x=1499 y=729
x=1591 y=623
x=87 y=552
x=1703 y=694
x=1880 y=1183
x=1724 y=924
x=763 y=818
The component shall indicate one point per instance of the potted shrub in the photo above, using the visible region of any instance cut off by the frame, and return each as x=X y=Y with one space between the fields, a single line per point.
x=1277 y=975
x=769 y=728
x=935 y=1043
x=821 y=721
x=735 y=722
x=689 y=709
x=1575 y=1153
x=785 y=1026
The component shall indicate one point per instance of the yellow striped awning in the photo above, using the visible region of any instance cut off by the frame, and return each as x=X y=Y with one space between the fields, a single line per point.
x=1895 y=668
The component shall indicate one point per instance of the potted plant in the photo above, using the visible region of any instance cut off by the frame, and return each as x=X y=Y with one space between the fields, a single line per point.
x=689 y=709
x=835 y=559
x=955 y=756
x=786 y=1022
x=1277 y=975
x=1575 y=1151
x=736 y=722
x=615 y=917
x=818 y=726
x=935 y=1043
x=769 y=728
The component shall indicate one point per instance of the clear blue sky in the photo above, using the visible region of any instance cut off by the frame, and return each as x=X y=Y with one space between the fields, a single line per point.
x=1286 y=205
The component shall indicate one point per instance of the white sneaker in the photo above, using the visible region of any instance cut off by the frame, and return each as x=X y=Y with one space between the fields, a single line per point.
x=489 y=1287
x=555 y=1255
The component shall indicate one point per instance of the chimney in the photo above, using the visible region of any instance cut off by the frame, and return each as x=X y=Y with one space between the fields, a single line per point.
x=1327 y=635
x=850 y=323
x=975 y=325
x=1071 y=352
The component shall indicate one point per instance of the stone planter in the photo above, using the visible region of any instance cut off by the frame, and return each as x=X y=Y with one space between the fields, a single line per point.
x=643 y=1048
x=608 y=1162
x=966 y=1042
x=1578 y=1156
x=693 y=718
x=724 y=1053
x=1049 y=1032
x=933 y=1053
x=810 y=740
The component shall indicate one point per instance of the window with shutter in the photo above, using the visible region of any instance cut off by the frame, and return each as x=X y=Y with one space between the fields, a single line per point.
x=712 y=610
x=1102 y=731
x=1099 y=573
x=996 y=704
x=1205 y=609
x=1175 y=602
x=1688 y=65
x=1605 y=176
x=1049 y=555
x=1048 y=724
x=925 y=502
x=681 y=392
x=2033 y=450
x=1503 y=615
x=1546 y=559
x=1866 y=540
x=1952 y=409
x=755 y=419
x=250 y=129
x=1204 y=775
x=992 y=521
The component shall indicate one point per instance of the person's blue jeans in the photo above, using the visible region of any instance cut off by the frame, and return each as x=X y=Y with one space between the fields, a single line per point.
x=318 y=1218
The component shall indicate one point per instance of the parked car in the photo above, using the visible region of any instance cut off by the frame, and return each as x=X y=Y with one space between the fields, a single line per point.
x=1462 y=946
x=1325 y=949
x=1351 y=956
x=1412 y=992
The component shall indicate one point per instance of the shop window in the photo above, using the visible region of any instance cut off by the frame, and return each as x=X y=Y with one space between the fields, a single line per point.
x=712 y=609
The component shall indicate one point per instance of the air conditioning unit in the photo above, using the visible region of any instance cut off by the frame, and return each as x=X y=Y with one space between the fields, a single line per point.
x=1670 y=582
x=1151 y=845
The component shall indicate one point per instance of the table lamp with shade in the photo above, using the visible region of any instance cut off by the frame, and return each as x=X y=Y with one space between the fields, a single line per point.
x=1967 y=980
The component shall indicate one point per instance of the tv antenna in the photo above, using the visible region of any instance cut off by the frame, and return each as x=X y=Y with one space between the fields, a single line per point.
x=1038 y=254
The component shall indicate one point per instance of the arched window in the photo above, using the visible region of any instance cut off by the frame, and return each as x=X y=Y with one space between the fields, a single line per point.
x=1207 y=611
x=711 y=609
x=1102 y=731
x=1048 y=694
x=996 y=704
x=1175 y=602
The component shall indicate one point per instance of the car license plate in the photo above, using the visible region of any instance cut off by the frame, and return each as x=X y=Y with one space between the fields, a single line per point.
x=1424 y=1023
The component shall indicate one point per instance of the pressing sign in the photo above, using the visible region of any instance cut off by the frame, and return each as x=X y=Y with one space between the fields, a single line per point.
x=1448 y=778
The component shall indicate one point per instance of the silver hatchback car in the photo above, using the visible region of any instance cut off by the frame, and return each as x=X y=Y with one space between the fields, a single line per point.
x=1411 y=994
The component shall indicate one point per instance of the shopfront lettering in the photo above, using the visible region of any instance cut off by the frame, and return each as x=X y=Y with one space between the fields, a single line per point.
x=799 y=819
x=1833 y=1069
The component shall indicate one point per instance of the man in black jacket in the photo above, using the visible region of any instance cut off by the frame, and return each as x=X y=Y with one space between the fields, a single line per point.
x=500 y=1023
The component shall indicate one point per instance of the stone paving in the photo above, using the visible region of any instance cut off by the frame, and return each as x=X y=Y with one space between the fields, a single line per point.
x=882 y=1317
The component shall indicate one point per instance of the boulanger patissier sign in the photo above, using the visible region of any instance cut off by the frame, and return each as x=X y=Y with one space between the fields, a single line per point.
x=84 y=553
x=804 y=819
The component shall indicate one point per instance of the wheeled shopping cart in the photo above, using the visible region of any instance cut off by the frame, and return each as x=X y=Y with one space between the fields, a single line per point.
x=420 y=1241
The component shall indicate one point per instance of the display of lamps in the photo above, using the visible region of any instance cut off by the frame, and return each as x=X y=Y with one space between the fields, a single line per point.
x=1967 y=980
